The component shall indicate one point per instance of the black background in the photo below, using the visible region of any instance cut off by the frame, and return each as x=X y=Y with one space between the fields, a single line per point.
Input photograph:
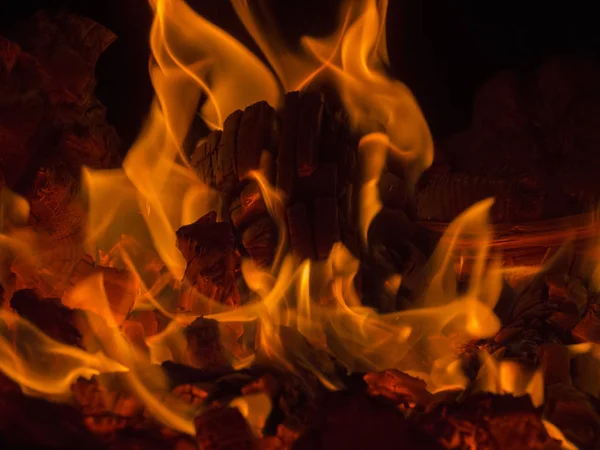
x=442 y=49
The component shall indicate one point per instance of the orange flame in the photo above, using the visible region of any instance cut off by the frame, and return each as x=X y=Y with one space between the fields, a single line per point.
x=354 y=57
x=318 y=301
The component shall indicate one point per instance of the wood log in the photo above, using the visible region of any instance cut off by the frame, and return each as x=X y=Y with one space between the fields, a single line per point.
x=204 y=348
x=311 y=150
x=309 y=131
x=208 y=247
x=301 y=238
x=327 y=225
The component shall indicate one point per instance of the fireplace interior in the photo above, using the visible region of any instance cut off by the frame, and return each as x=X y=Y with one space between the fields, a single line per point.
x=231 y=225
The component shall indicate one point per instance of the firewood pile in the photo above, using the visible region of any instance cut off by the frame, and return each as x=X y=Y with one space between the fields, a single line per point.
x=531 y=143
x=51 y=124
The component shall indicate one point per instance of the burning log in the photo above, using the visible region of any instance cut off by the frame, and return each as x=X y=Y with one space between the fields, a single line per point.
x=313 y=160
x=121 y=290
x=399 y=388
x=208 y=247
x=49 y=315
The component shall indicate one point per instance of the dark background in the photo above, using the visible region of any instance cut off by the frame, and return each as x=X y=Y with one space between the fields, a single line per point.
x=442 y=49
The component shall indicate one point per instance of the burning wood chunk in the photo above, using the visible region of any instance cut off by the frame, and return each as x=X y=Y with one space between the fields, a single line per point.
x=322 y=182
x=309 y=132
x=567 y=317
x=398 y=387
x=134 y=333
x=205 y=155
x=300 y=232
x=224 y=428
x=588 y=329
x=556 y=363
x=332 y=122
x=148 y=321
x=204 y=347
x=105 y=409
x=260 y=241
x=305 y=161
x=571 y=411
x=49 y=315
x=255 y=134
x=289 y=431
x=190 y=393
x=252 y=205
x=226 y=167
x=267 y=384
x=121 y=290
x=327 y=226
x=286 y=153
x=208 y=248
x=354 y=421
x=586 y=368
x=487 y=421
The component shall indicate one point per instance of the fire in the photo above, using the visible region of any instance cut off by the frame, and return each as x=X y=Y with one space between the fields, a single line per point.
x=43 y=366
x=508 y=377
x=309 y=315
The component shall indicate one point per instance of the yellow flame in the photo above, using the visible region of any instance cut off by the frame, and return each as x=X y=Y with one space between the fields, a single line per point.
x=255 y=408
x=555 y=433
x=355 y=57
x=509 y=377
x=374 y=101
x=151 y=390
x=43 y=366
